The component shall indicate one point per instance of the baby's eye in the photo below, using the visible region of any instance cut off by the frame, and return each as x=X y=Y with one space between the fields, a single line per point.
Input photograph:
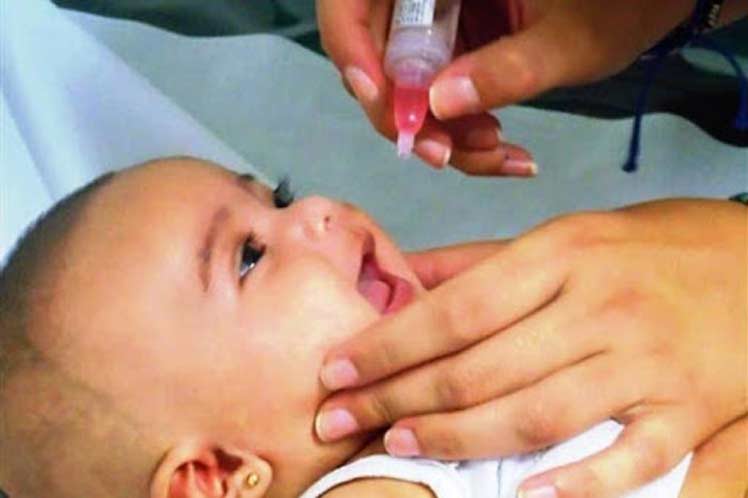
x=282 y=194
x=252 y=252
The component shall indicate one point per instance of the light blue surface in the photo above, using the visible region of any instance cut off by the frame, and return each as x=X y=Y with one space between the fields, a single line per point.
x=95 y=94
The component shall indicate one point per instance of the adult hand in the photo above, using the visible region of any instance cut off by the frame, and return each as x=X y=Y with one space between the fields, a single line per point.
x=637 y=314
x=526 y=47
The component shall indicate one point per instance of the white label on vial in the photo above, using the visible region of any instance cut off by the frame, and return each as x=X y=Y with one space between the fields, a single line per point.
x=414 y=13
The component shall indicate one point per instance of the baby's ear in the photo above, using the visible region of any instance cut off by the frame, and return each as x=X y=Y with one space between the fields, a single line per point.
x=203 y=470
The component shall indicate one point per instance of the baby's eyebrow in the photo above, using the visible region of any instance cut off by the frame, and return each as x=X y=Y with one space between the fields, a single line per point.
x=205 y=254
x=245 y=181
x=251 y=186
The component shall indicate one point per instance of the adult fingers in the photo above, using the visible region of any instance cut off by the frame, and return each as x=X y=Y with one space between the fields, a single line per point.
x=352 y=34
x=434 y=266
x=547 y=341
x=456 y=314
x=645 y=450
x=471 y=143
x=564 y=43
x=508 y=70
x=551 y=410
x=478 y=131
x=480 y=148
x=505 y=160
x=433 y=143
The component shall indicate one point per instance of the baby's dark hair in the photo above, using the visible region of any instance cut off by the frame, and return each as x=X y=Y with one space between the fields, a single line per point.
x=32 y=255
x=41 y=408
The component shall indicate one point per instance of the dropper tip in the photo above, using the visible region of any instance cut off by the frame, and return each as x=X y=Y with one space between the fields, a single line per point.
x=404 y=144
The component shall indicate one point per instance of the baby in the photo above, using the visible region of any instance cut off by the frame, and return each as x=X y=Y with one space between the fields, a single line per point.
x=162 y=329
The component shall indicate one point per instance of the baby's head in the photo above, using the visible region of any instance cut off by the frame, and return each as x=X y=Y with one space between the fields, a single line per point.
x=161 y=333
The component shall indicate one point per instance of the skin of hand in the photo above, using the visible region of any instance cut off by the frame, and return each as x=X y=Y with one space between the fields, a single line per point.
x=637 y=314
x=719 y=468
x=509 y=51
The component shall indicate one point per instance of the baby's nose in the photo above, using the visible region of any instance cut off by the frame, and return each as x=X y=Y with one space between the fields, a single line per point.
x=318 y=216
x=322 y=217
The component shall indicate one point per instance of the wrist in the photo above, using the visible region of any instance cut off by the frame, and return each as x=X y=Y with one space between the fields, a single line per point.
x=703 y=16
x=732 y=10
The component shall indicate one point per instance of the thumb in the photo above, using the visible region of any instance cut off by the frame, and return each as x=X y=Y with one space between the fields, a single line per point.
x=511 y=69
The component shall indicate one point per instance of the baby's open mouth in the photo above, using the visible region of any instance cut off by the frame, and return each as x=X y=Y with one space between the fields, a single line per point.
x=384 y=291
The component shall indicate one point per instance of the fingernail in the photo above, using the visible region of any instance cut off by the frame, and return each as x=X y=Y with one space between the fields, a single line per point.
x=347 y=86
x=364 y=88
x=454 y=97
x=338 y=374
x=433 y=152
x=335 y=424
x=482 y=138
x=401 y=442
x=541 y=492
x=516 y=167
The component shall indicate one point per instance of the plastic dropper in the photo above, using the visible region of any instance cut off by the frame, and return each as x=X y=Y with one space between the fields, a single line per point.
x=422 y=36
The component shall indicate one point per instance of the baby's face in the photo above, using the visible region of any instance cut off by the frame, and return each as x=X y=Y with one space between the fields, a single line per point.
x=191 y=293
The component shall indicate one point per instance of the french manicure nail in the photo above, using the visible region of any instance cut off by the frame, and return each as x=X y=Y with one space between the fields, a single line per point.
x=334 y=424
x=541 y=492
x=454 y=97
x=433 y=152
x=364 y=88
x=338 y=374
x=401 y=442
x=518 y=167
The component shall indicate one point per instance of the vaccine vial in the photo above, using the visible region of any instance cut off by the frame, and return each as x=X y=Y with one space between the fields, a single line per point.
x=420 y=44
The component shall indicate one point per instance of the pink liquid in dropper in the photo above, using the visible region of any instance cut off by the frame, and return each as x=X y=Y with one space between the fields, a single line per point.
x=411 y=104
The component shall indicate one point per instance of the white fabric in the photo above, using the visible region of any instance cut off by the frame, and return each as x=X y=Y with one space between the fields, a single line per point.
x=443 y=479
x=494 y=478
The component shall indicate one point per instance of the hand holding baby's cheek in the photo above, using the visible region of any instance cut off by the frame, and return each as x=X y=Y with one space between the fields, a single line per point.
x=638 y=315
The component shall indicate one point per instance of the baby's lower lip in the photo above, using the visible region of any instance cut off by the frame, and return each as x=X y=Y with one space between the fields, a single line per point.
x=401 y=295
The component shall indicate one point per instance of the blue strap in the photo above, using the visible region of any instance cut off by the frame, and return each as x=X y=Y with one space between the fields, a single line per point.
x=689 y=34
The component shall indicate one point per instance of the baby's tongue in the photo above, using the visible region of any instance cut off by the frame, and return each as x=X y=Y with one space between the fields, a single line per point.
x=376 y=292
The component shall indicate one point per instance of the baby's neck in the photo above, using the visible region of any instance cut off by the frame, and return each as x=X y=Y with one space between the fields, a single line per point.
x=293 y=477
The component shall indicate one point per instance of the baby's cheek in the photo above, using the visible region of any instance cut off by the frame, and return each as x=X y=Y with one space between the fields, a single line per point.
x=324 y=310
x=294 y=322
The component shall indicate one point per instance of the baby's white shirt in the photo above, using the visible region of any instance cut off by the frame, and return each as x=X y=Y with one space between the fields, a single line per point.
x=496 y=478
